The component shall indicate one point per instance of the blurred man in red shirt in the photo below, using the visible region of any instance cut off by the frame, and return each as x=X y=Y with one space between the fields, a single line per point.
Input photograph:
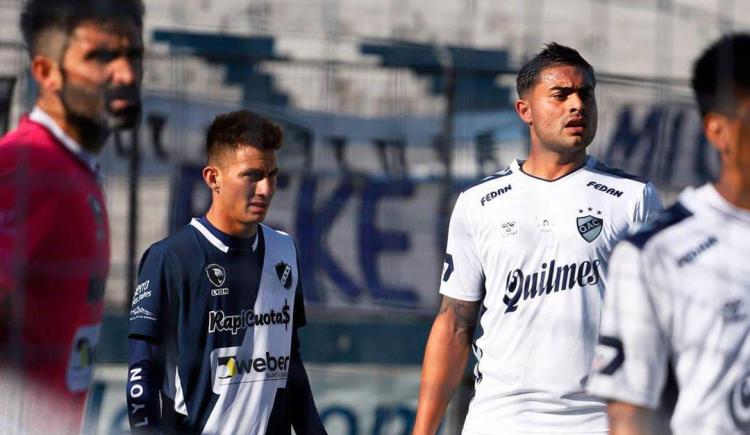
x=54 y=236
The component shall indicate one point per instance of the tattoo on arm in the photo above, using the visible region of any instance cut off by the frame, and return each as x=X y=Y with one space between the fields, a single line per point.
x=465 y=316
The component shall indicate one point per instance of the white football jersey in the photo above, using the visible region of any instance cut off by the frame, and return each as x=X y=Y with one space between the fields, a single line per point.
x=679 y=295
x=535 y=252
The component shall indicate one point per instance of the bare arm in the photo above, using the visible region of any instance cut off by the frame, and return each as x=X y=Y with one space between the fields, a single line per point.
x=444 y=361
x=628 y=419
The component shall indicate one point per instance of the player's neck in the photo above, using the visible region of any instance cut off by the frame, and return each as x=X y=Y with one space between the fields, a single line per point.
x=91 y=139
x=734 y=188
x=223 y=223
x=551 y=166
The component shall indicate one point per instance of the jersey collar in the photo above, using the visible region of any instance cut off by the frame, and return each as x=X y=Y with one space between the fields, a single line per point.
x=89 y=159
x=222 y=241
x=516 y=166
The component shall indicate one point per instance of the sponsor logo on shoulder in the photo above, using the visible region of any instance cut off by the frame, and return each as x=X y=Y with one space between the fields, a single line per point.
x=494 y=194
x=697 y=251
x=284 y=273
x=141 y=292
x=141 y=313
x=590 y=225
x=602 y=188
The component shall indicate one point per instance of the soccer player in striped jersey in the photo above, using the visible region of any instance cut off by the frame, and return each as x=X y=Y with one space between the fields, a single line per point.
x=679 y=294
x=213 y=345
x=527 y=254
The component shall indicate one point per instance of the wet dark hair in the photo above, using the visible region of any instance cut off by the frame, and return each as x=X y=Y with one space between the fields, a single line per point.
x=721 y=72
x=233 y=130
x=553 y=55
x=39 y=16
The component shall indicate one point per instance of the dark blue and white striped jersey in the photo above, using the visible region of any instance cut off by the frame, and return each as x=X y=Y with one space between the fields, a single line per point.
x=224 y=312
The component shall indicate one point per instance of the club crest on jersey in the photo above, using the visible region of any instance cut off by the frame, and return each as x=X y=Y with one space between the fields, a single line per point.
x=216 y=274
x=589 y=226
x=284 y=272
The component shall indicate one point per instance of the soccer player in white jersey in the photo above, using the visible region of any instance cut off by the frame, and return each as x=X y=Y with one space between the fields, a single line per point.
x=528 y=249
x=679 y=291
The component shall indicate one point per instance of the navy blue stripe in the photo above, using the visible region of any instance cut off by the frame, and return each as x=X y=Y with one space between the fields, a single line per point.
x=601 y=167
x=669 y=217
x=494 y=176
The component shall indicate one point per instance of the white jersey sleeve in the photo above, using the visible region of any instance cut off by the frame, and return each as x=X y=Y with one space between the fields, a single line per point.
x=463 y=277
x=646 y=208
x=630 y=362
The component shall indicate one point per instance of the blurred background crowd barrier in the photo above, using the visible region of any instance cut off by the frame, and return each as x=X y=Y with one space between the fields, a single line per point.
x=390 y=108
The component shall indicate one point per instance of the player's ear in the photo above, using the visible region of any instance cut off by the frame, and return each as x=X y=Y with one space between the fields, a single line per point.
x=717 y=129
x=212 y=177
x=524 y=110
x=46 y=73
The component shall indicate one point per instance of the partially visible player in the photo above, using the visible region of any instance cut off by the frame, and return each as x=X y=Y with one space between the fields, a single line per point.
x=679 y=292
x=54 y=236
x=213 y=326
x=527 y=251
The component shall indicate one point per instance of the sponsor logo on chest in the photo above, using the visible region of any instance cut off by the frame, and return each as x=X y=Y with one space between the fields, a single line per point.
x=218 y=321
x=217 y=276
x=230 y=365
x=551 y=278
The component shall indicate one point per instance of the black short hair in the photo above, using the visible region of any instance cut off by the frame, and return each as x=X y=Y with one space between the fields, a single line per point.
x=553 y=55
x=233 y=130
x=721 y=72
x=39 y=16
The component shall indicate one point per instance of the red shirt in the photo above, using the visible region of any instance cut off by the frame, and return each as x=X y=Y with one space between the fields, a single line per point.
x=54 y=260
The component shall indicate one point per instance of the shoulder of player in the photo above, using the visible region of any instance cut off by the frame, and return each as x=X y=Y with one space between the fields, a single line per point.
x=273 y=236
x=666 y=221
x=180 y=246
x=617 y=176
x=490 y=187
x=615 y=183
x=32 y=143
